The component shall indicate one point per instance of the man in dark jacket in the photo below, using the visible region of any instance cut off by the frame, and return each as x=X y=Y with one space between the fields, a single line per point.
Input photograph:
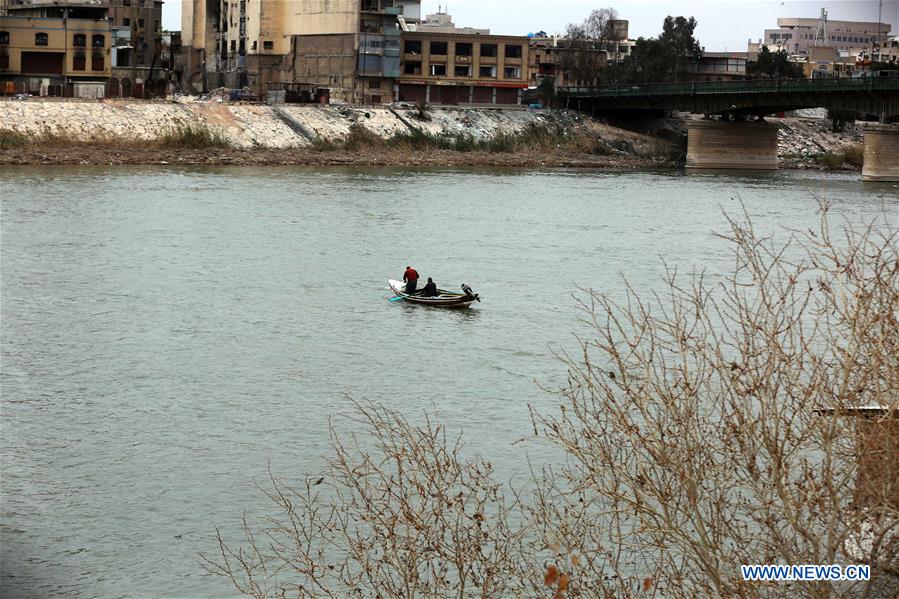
x=430 y=289
x=411 y=279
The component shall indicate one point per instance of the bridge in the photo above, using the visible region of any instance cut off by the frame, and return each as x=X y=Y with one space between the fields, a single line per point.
x=870 y=95
x=722 y=144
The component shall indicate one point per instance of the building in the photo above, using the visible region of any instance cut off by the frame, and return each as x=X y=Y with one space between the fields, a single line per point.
x=578 y=62
x=448 y=68
x=442 y=22
x=140 y=25
x=350 y=47
x=797 y=35
x=716 y=66
x=58 y=47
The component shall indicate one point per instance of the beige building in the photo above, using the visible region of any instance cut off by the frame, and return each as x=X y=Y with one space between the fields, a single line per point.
x=442 y=22
x=446 y=68
x=268 y=43
x=46 y=48
x=581 y=62
x=797 y=35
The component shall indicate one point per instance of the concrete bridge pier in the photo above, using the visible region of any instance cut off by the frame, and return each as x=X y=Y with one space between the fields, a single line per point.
x=729 y=145
x=881 y=153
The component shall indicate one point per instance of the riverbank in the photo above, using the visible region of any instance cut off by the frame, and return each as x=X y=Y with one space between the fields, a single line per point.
x=129 y=132
x=87 y=154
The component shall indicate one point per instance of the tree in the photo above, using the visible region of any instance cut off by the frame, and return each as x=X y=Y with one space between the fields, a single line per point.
x=660 y=59
x=774 y=65
x=584 y=53
x=599 y=25
x=647 y=63
x=546 y=90
x=703 y=428
x=678 y=42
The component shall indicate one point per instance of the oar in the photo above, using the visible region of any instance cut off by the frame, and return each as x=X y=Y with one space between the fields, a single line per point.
x=396 y=299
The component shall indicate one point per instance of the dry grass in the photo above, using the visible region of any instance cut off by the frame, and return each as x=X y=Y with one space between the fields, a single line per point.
x=852 y=155
x=10 y=139
x=532 y=138
x=193 y=137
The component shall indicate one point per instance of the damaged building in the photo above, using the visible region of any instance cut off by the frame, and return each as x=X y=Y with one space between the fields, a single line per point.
x=350 y=47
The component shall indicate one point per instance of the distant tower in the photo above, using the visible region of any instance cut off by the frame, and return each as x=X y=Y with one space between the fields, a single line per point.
x=821 y=31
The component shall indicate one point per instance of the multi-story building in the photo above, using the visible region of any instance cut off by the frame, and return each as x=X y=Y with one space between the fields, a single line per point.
x=578 y=62
x=50 y=47
x=140 y=26
x=350 y=47
x=442 y=22
x=446 y=68
x=796 y=36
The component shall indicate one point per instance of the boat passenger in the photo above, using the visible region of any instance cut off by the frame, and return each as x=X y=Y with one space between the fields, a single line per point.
x=411 y=279
x=430 y=289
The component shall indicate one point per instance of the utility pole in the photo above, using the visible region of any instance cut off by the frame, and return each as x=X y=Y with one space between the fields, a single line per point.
x=65 y=60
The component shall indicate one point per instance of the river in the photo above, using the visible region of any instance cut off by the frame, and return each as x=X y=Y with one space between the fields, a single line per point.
x=168 y=333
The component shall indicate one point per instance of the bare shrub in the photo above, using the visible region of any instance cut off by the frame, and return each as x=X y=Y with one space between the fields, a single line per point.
x=408 y=517
x=360 y=138
x=193 y=137
x=705 y=427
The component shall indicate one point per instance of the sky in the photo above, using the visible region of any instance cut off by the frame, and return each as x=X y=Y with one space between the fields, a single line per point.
x=724 y=25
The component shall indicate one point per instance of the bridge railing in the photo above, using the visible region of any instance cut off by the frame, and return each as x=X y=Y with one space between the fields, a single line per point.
x=749 y=86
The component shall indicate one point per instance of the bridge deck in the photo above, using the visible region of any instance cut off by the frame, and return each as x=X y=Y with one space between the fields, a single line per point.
x=756 y=86
x=871 y=95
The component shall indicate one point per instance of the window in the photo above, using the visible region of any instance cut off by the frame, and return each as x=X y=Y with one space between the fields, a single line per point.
x=513 y=51
x=412 y=47
x=97 y=62
x=438 y=70
x=4 y=62
x=488 y=71
x=488 y=50
x=255 y=44
x=79 y=63
x=4 y=38
x=463 y=71
x=155 y=25
x=512 y=72
x=126 y=22
x=412 y=68
x=269 y=45
x=98 y=41
x=376 y=84
x=79 y=40
x=233 y=46
x=41 y=39
x=438 y=48
x=140 y=23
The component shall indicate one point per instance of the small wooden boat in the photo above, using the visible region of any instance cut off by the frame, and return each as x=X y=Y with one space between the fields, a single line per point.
x=443 y=299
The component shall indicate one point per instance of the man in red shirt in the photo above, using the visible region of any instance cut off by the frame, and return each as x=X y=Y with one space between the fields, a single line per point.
x=411 y=279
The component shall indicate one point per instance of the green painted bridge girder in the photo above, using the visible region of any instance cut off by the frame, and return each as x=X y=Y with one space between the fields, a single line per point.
x=873 y=95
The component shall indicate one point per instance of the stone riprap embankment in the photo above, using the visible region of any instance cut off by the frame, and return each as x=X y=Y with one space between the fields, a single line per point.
x=808 y=137
x=251 y=125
